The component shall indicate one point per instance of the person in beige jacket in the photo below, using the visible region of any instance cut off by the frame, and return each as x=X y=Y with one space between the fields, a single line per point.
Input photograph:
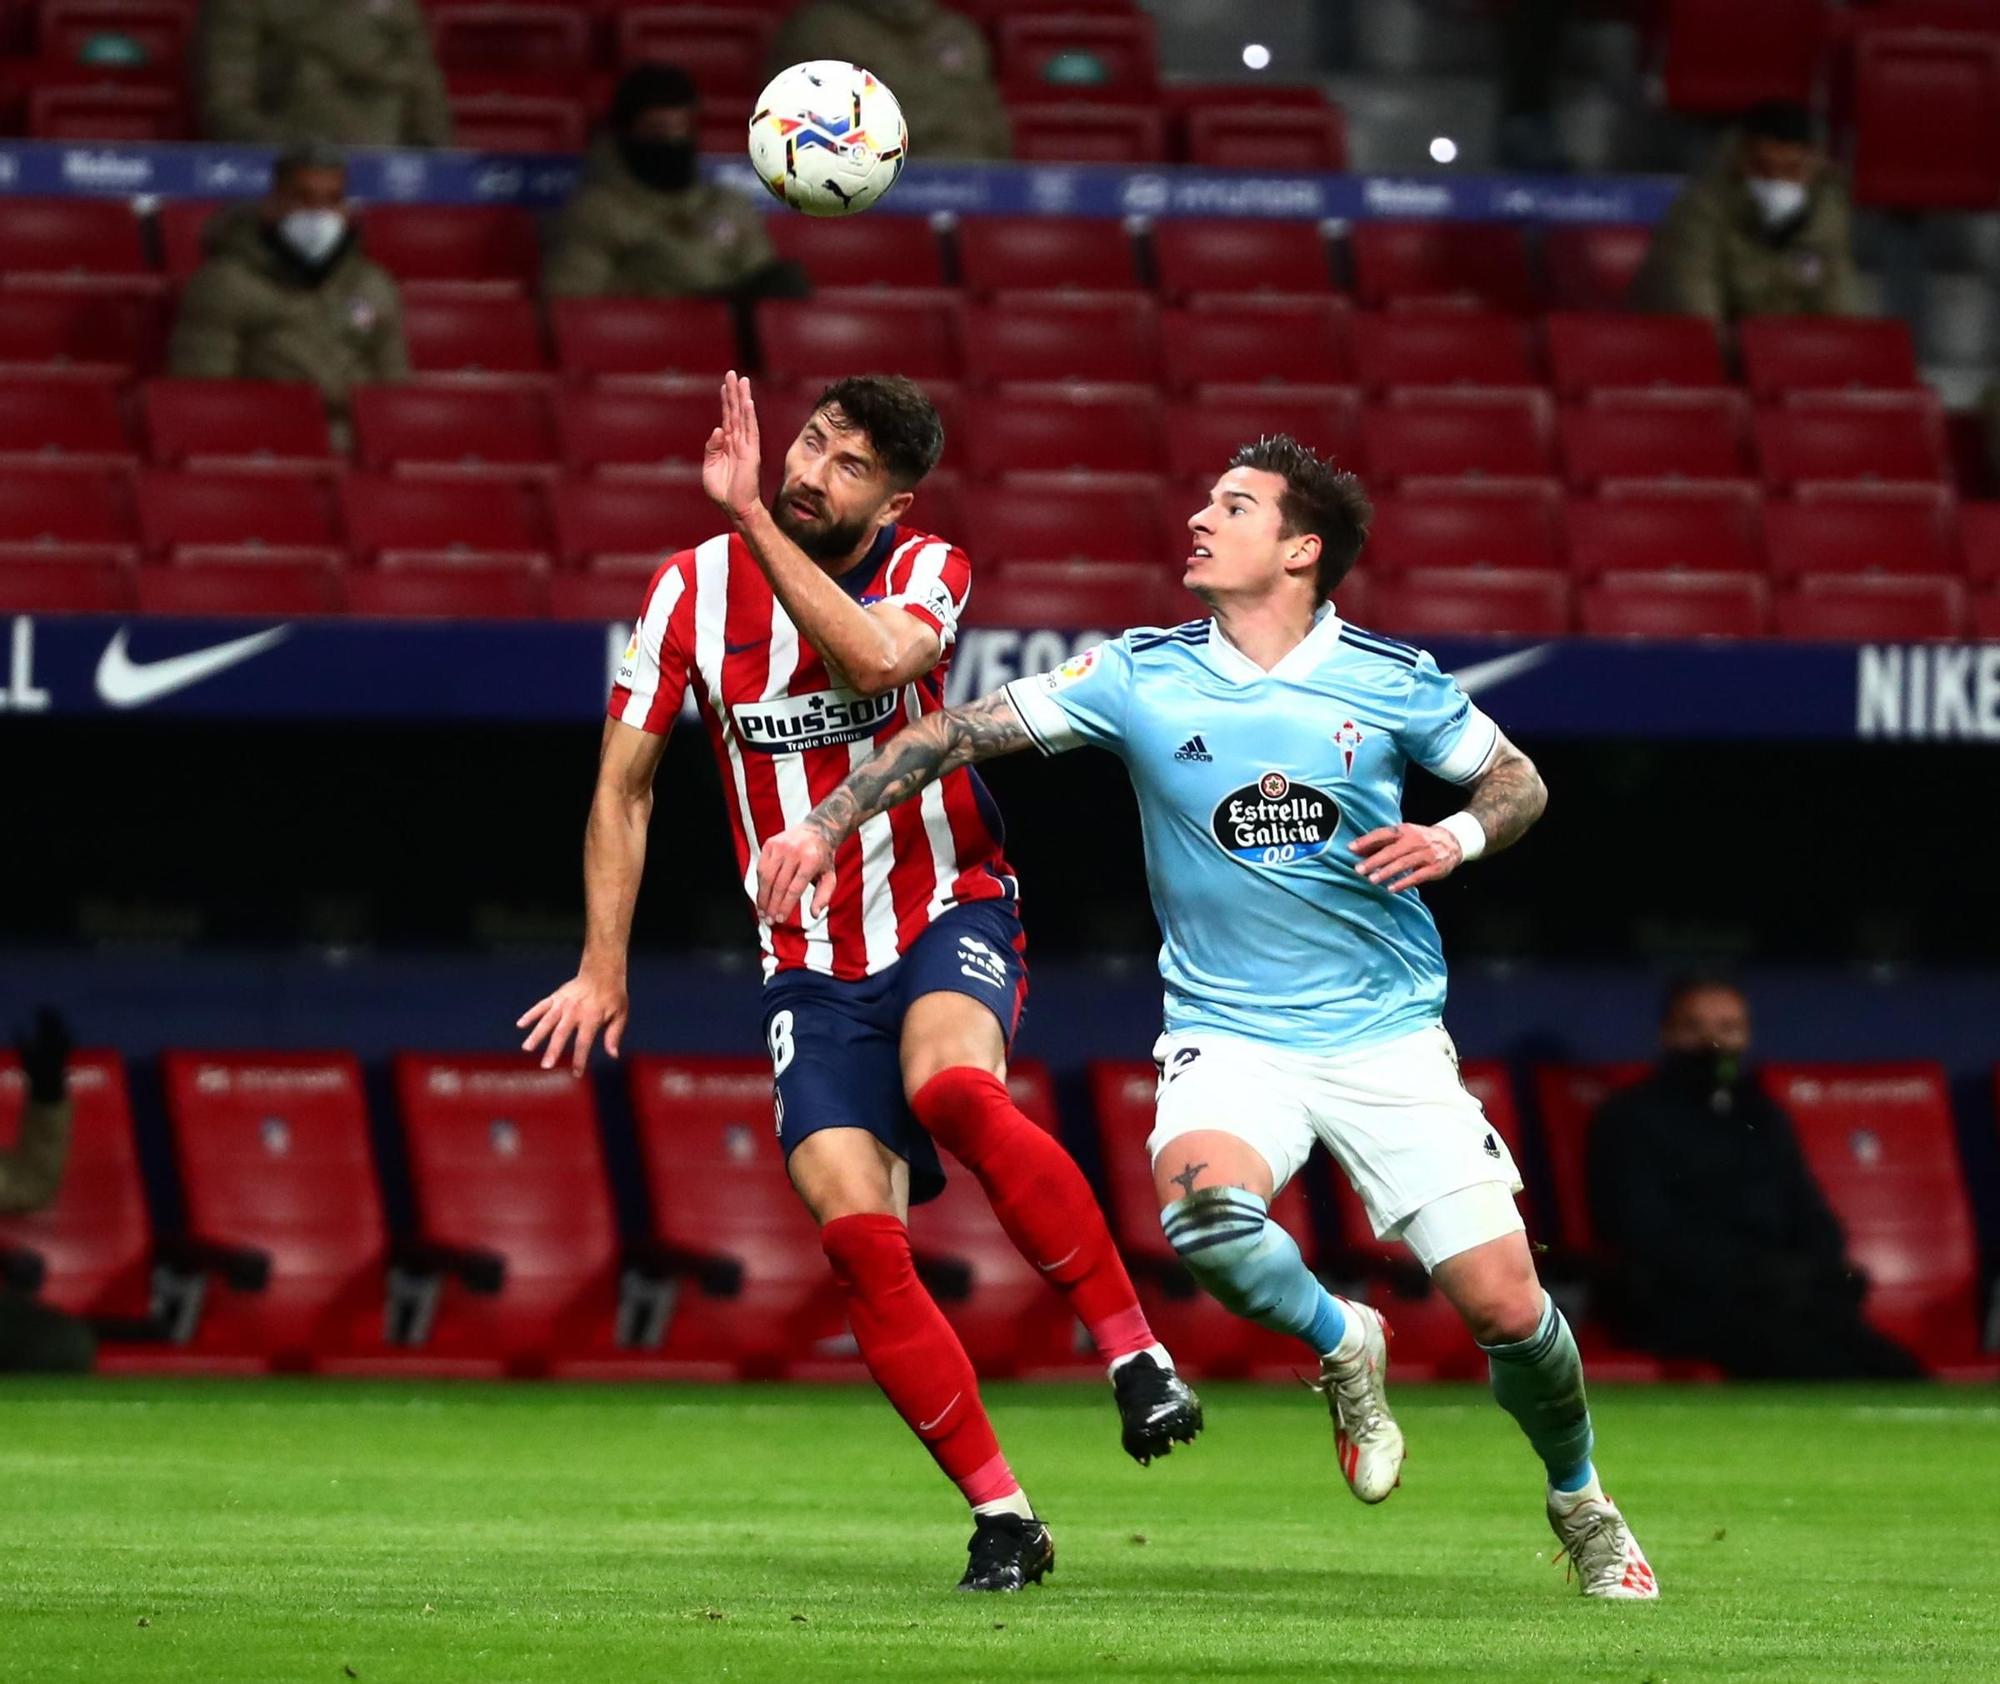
x=934 y=60
x=347 y=72
x=36 y=1338
x=287 y=293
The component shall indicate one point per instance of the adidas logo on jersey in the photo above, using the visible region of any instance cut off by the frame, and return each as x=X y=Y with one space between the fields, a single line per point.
x=1193 y=749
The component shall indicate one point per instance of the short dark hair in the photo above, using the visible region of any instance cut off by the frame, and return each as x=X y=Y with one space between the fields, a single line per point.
x=648 y=87
x=1318 y=498
x=1693 y=982
x=306 y=155
x=1780 y=119
x=901 y=422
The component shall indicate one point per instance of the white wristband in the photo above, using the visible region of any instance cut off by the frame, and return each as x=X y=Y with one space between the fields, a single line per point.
x=1470 y=832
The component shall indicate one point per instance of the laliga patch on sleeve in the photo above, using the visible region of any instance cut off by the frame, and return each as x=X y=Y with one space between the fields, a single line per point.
x=1076 y=668
x=628 y=663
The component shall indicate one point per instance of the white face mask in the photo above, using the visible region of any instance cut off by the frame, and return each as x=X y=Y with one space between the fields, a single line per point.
x=313 y=233
x=1777 y=201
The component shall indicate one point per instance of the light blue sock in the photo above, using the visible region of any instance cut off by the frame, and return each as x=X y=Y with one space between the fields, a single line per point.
x=1250 y=1265
x=1539 y=1381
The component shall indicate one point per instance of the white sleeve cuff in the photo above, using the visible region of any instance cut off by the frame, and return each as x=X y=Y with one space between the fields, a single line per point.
x=1046 y=722
x=1468 y=758
x=1470 y=832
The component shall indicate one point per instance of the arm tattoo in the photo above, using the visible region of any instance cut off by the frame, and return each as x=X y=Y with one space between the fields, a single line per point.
x=918 y=755
x=1508 y=799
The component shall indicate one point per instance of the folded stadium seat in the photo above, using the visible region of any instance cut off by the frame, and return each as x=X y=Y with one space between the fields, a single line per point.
x=1069 y=132
x=1853 y=436
x=1046 y=254
x=479 y=35
x=610 y=598
x=804 y=339
x=387 y=514
x=1880 y=1141
x=631 y=526
x=1723 y=57
x=1040 y=53
x=1979 y=541
x=467 y=588
x=1109 y=339
x=507 y=122
x=633 y=430
x=1228 y=255
x=1667 y=526
x=236 y=424
x=1588 y=350
x=444 y=430
x=1257 y=341
x=873 y=252
x=1792 y=353
x=52 y=329
x=1071 y=517
x=1455 y=523
x=479 y=340
x=1484 y=263
x=1985 y=616
x=1263 y=137
x=160 y=29
x=286 y=1249
x=103 y=111
x=940 y=507
x=721 y=47
x=645 y=340
x=1863 y=528
x=1470 y=602
x=1925 y=120
x=1104 y=596
x=180 y=223
x=54 y=513
x=446 y=249
x=1441 y=348
x=1694 y=433
x=280 y=587
x=1590 y=267
x=1675 y=605
x=44 y=419
x=1502 y=431
x=1867 y=608
x=75 y=581
x=1050 y=429
x=77 y=242
x=255 y=516
x=1205 y=433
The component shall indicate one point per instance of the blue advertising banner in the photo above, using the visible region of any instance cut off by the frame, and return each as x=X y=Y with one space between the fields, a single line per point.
x=552 y=672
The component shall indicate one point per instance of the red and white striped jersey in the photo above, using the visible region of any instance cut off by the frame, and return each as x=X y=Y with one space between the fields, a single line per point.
x=786 y=734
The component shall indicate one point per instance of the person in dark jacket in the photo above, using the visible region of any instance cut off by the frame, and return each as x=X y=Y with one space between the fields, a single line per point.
x=1719 y=1243
x=34 y=1337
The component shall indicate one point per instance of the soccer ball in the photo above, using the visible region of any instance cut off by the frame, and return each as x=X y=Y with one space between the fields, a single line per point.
x=828 y=138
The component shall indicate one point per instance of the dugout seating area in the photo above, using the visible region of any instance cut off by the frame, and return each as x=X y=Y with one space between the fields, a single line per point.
x=480 y=1217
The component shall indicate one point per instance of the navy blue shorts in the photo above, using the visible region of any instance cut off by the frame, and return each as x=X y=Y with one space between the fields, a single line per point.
x=836 y=1047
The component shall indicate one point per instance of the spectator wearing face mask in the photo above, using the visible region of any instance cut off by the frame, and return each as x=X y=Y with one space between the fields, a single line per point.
x=286 y=292
x=1764 y=232
x=645 y=225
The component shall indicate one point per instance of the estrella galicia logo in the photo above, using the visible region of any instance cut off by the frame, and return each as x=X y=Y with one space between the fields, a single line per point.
x=1275 y=821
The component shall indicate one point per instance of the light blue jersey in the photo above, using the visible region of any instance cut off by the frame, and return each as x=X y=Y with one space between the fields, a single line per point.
x=1251 y=785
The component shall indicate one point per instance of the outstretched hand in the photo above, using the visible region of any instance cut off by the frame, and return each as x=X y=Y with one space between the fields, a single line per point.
x=790 y=862
x=581 y=1008
x=1402 y=856
x=734 y=459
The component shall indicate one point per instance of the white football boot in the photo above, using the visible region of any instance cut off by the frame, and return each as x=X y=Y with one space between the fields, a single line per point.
x=1601 y=1551
x=1366 y=1439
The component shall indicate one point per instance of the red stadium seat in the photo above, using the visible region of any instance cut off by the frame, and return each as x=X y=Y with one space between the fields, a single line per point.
x=1109 y=340
x=51 y=419
x=1486 y=263
x=1670 y=434
x=107 y=111
x=1926 y=120
x=77 y=240
x=548 y=40
x=1864 y=608
x=181 y=224
x=443 y=429
x=1567 y=1097
x=1985 y=613
x=1248 y=341
x=473 y=338
x=1979 y=539
x=1791 y=353
x=76 y=580
x=1722 y=57
x=1468 y=602
x=1591 y=267
x=1046 y=253
x=1202 y=435
x=721 y=47
x=631 y=525
x=1261 y=137
x=1675 y=605
x=1236 y=256
x=1857 y=436
x=1070 y=132
x=1442 y=348
x=506 y=122
x=811 y=340
x=877 y=252
x=93 y=335
x=237 y=423
x=612 y=598
x=160 y=29
x=95 y=1242
x=1069 y=519
x=634 y=339
x=49 y=513
x=1121 y=44
x=484 y=248
x=253 y=513
x=633 y=430
x=444 y=518
x=1104 y=595
x=469 y=587
x=1453 y=523
x=1052 y=429
x=1673 y=526
x=1880 y=1142
x=1503 y=431
x=1588 y=351
x=1863 y=528
x=278 y=587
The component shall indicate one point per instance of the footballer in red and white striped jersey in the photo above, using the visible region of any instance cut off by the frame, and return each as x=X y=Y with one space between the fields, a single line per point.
x=786 y=732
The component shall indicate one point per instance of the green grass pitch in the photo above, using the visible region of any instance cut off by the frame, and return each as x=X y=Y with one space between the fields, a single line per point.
x=167 y=1531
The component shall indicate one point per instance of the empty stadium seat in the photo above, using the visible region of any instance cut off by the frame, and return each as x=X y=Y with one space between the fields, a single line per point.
x=1722 y=57
x=1501 y=432
x=1675 y=605
x=75 y=240
x=1665 y=434
x=1926 y=120
x=1862 y=529
x=1979 y=540
x=181 y=225
x=1030 y=430
x=72 y=581
x=1069 y=519
x=52 y=419
x=858 y=251
x=630 y=525
x=437 y=429
x=254 y=513
x=506 y=122
x=1121 y=44
x=1857 y=436
x=1792 y=353
x=610 y=598
x=1442 y=348
x=160 y=29
x=1203 y=435
x=634 y=430
x=1695 y=526
x=812 y=340
x=1566 y=1099
x=1984 y=612
x=107 y=111
x=721 y=47
x=1591 y=267
x=387 y=514
x=277 y=587
x=1071 y=132
x=1456 y=523
x=469 y=248
x=235 y=423
x=1106 y=596
x=468 y=587
x=1260 y=137
x=100 y=336
x=1109 y=339
x=471 y=338
x=1864 y=608
x=49 y=512
x=1591 y=350
x=1477 y=262
x=1248 y=341
x=493 y=35
x=645 y=339
x=1046 y=253
x=1469 y=602
x=1236 y=256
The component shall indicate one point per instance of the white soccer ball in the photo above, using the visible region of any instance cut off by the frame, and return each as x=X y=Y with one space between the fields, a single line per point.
x=828 y=138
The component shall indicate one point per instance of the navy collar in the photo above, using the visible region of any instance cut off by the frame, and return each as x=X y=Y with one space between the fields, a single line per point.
x=855 y=580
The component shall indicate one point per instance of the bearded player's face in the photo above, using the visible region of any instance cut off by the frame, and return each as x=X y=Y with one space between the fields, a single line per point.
x=836 y=491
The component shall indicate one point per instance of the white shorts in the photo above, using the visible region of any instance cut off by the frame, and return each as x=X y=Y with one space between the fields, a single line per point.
x=1414 y=1144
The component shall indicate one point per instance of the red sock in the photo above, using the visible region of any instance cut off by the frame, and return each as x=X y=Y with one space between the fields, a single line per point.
x=1041 y=1198
x=913 y=1353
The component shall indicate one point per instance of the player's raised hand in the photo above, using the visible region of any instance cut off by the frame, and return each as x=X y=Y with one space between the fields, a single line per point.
x=792 y=861
x=734 y=459
x=1401 y=856
x=582 y=1007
